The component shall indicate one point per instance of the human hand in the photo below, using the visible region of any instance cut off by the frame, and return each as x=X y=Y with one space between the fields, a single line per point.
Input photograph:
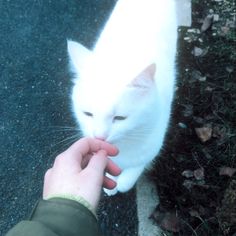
x=79 y=171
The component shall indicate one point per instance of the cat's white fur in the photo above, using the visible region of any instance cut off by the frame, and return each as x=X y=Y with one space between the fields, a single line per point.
x=124 y=87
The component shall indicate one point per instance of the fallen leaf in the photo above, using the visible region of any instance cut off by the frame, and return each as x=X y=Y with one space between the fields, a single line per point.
x=166 y=219
x=207 y=22
x=204 y=133
x=170 y=222
x=225 y=30
x=228 y=171
x=199 y=174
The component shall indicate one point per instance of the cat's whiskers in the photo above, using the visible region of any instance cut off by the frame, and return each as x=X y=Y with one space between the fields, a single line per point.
x=66 y=128
x=69 y=135
x=64 y=143
x=123 y=138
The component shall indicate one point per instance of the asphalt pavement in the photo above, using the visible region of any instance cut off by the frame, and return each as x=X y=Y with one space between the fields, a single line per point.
x=36 y=122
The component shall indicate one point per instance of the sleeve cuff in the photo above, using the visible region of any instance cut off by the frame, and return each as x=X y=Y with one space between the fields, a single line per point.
x=66 y=217
x=78 y=199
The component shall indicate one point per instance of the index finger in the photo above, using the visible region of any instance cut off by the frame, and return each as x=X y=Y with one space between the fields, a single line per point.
x=85 y=146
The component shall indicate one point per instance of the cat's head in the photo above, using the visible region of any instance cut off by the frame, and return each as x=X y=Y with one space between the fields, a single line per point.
x=104 y=108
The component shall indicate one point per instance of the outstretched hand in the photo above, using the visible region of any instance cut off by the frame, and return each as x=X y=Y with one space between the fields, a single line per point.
x=80 y=171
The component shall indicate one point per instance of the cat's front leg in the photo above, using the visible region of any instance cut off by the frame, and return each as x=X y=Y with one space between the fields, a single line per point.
x=111 y=192
x=127 y=179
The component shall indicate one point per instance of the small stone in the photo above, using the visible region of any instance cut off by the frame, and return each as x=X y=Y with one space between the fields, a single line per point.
x=182 y=125
x=211 y=11
x=209 y=89
x=187 y=173
x=199 y=52
x=188 y=39
x=216 y=17
x=199 y=174
x=200 y=40
x=193 y=30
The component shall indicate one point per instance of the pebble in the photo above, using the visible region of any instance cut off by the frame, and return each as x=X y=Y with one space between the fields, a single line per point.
x=182 y=125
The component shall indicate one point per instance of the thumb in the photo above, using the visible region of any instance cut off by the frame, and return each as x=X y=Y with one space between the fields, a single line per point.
x=98 y=163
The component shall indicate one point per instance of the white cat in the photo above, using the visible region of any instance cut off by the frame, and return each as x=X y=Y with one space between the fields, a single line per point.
x=124 y=87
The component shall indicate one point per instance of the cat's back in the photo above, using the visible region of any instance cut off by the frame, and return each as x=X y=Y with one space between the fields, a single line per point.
x=134 y=21
x=135 y=31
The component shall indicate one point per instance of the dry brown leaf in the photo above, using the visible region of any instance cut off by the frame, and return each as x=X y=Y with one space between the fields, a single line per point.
x=228 y=171
x=204 y=133
x=207 y=22
x=166 y=219
x=225 y=30
x=170 y=222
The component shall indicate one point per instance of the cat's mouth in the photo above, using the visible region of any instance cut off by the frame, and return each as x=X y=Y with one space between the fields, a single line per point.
x=106 y=139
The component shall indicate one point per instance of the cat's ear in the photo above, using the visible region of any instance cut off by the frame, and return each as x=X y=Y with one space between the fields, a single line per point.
x=146 y=78
x=78 y=54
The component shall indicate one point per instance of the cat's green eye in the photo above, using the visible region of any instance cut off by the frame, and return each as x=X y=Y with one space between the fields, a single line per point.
x=120 y=118
x=88 y=113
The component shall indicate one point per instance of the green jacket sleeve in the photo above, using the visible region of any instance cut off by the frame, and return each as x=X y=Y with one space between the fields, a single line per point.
x=58 y=217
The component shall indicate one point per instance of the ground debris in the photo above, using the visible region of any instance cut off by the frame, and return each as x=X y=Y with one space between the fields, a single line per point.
x=208 y=21
x=187 y=173
x=204 y=133
x=226 y=214
x=199 y=174
x=199 y=156
x=227 y=171
x=167 y=220
x=199 y=52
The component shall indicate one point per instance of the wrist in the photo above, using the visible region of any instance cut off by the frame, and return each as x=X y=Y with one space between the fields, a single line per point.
x=78 y=199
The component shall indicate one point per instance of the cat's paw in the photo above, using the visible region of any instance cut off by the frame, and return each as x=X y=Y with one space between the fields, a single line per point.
x=111 y=192
x=124 y=184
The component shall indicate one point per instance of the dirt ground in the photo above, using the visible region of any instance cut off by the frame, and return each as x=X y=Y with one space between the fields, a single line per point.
x=195 y=173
